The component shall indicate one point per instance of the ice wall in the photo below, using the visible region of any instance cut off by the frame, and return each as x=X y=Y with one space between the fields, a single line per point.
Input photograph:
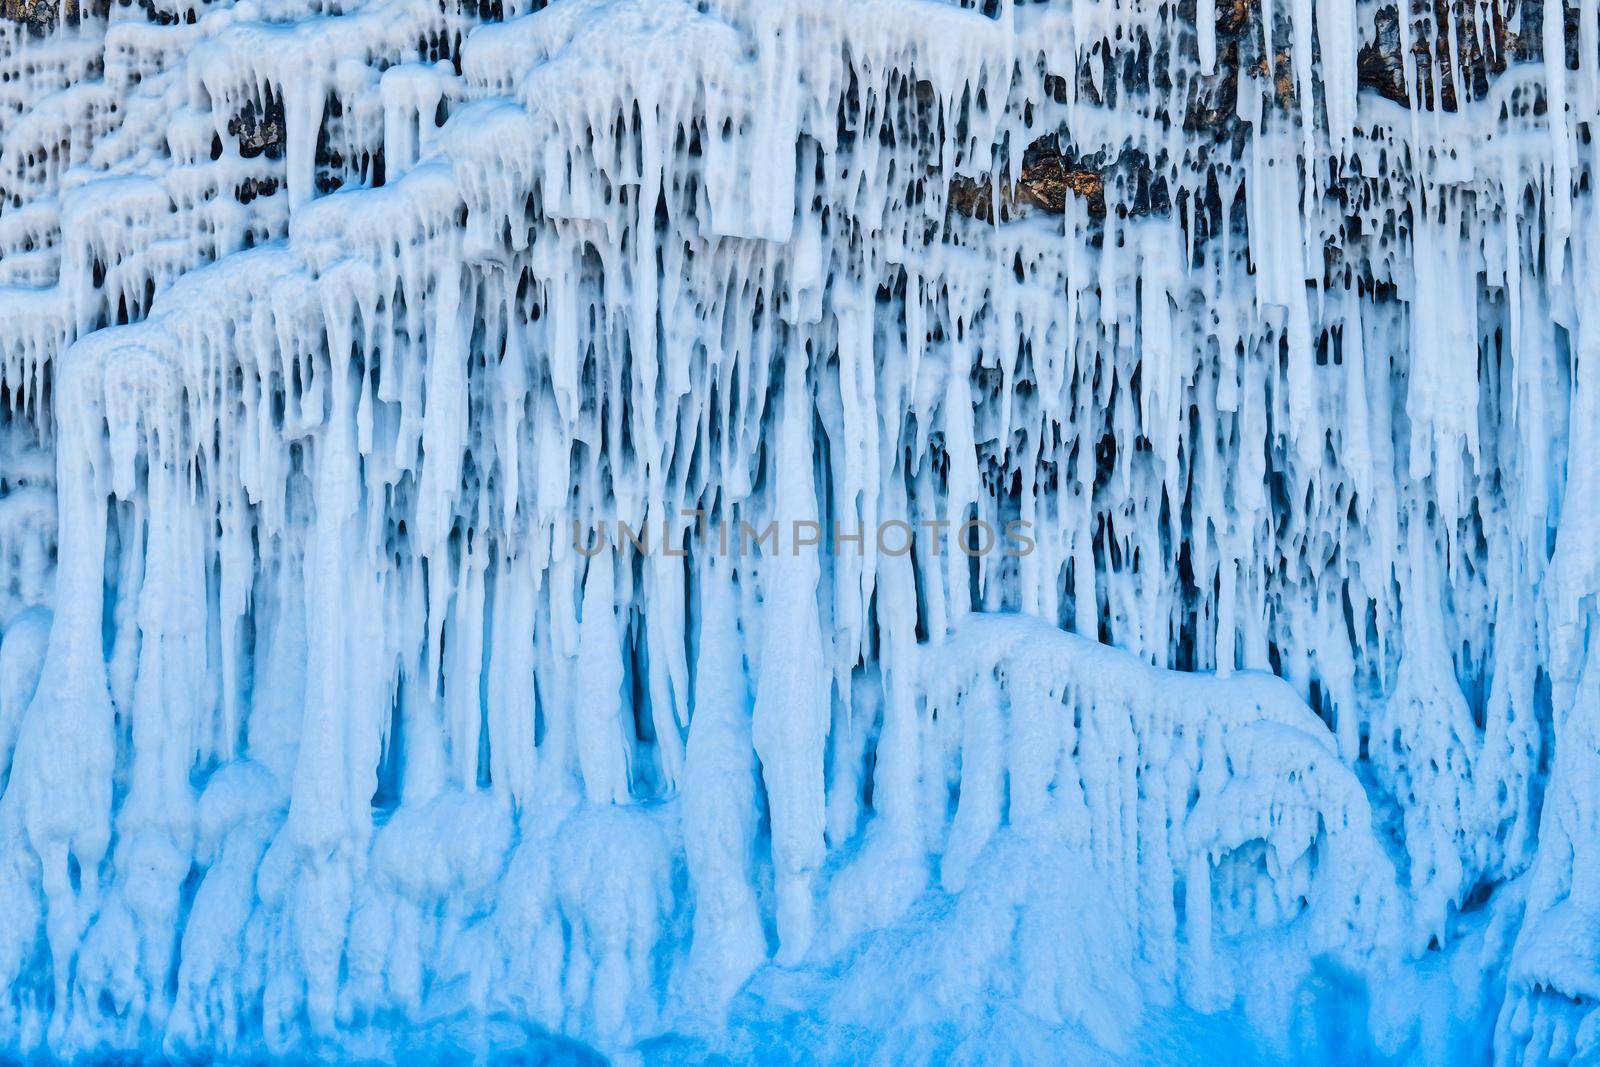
x=389 y=388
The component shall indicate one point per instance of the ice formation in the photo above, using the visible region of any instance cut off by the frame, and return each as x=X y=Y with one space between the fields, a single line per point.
x=382 y=380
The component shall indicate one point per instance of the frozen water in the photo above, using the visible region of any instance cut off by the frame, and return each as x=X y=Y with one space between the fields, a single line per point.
x=849 y=529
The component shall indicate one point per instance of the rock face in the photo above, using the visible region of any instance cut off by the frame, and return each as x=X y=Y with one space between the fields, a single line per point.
x=983 y=530
x=39 y=16
x=1451 y=52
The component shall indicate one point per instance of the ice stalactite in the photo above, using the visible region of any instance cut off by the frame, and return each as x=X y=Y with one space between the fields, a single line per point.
x=790 y=727
x=613 y=518
x=1226 y=795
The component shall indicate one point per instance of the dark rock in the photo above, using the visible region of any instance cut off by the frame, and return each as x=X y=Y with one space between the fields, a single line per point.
x=1047 y=179
x=40 y=16
x=260 y=130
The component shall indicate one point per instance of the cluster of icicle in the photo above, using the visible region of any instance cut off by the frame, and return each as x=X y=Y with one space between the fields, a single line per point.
x=324 y=327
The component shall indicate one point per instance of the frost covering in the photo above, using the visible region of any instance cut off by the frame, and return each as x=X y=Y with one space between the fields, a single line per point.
x=338 y=341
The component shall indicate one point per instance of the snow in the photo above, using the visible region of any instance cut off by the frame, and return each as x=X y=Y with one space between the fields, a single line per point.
x=559 y=529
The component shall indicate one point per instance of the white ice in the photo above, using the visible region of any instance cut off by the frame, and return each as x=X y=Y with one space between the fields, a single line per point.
x=414 y=416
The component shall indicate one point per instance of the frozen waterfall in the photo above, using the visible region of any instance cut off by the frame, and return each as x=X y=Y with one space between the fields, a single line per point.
x=890 y=531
